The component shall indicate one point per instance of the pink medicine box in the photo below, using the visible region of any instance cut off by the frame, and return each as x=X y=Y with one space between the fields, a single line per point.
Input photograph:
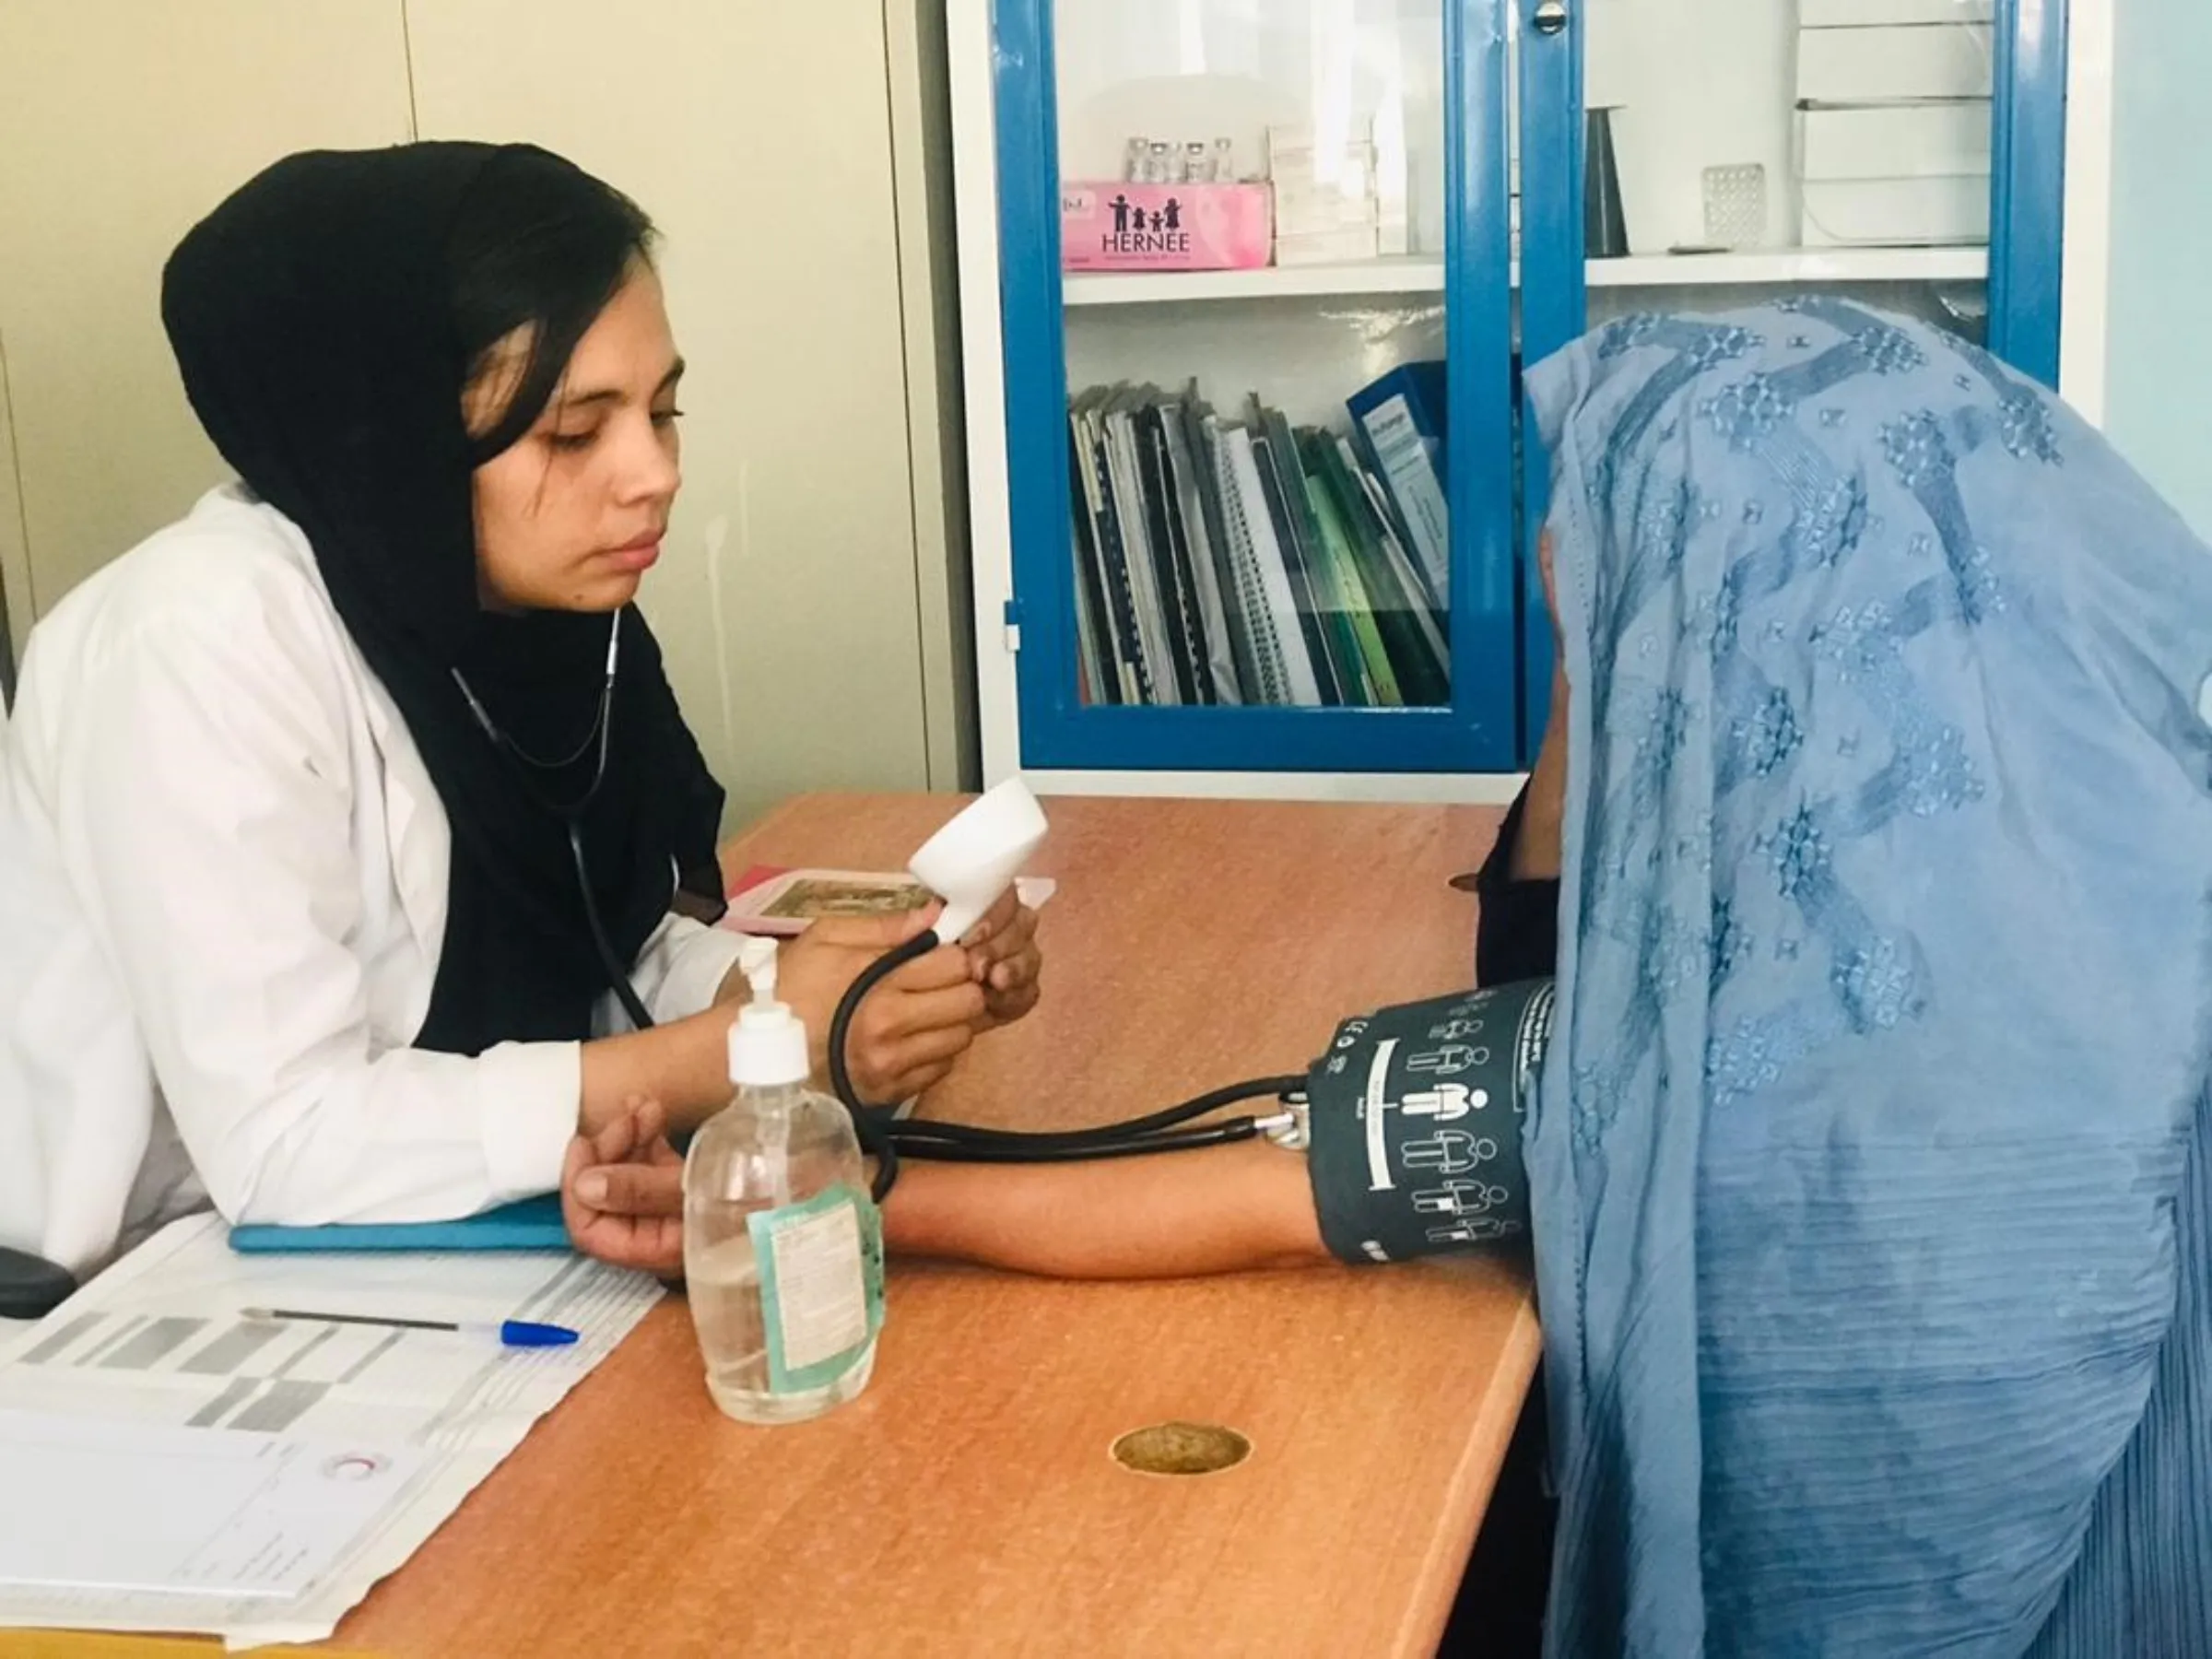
x=1122 y=227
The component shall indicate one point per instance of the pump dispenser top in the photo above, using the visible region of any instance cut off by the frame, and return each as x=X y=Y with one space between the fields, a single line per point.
x=768 y=1042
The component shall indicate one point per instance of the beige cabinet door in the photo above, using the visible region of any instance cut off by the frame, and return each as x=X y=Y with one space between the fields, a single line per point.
x=758 y=137
x=121 y=122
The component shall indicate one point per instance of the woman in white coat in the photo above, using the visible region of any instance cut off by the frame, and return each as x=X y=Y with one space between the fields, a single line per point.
x=354 y=855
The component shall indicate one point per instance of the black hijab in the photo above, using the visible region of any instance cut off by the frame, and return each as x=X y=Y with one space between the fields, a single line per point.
x=321 y=318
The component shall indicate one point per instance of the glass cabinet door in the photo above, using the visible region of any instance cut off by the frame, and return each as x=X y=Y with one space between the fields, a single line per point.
x=1705 y=155
x=1732 y=149
x=1262 y=538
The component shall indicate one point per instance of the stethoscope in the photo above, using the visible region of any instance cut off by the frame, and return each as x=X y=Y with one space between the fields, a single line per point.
x=529 y=768
x=887 y=1135
x=883 y=1132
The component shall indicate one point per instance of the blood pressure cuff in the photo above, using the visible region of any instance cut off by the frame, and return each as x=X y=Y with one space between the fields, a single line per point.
x=1414 y=1124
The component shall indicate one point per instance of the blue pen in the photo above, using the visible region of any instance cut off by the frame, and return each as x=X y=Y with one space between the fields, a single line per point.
x=508 y=1333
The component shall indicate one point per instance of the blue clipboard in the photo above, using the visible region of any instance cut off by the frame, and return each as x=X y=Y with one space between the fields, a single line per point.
x=529 y=1224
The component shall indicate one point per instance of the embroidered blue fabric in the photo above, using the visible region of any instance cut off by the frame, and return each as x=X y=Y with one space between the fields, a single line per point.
x=1869 y=1163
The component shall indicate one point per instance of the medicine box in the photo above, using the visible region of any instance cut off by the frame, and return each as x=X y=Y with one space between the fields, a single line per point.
x=1867 y=14
x=1887 y=64
x=1895 y=141
x=1354 y=181
x=1116 y=225
x=1299 y=212
x=1895 y=212
x=1310 y=197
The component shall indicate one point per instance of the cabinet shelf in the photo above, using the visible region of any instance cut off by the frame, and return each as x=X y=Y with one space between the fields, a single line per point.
x=1401 y=276
x=1416 y=275
x=1791 y=267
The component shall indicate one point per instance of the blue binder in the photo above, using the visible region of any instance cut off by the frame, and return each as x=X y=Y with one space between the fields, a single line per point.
x=530 y=1224
x=1411 y=463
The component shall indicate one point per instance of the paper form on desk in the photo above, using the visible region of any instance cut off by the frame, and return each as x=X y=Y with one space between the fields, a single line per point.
x=158 y=1340
x=132 y=1509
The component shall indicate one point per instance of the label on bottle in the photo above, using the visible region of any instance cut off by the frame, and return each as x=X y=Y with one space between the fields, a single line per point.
x=821 y=1286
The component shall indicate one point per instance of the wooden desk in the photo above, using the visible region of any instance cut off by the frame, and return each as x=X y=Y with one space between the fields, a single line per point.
x=966 y=1504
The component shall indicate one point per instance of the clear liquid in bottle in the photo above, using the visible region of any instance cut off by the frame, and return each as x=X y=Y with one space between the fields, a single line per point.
x=782 y=1245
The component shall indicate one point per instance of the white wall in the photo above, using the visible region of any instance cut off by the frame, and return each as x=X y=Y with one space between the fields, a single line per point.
x=2159 y=365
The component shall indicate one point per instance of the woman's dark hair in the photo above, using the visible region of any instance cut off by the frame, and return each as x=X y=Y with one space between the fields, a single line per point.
x=539 y=244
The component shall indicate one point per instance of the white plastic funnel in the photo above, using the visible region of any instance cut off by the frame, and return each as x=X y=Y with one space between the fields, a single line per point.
x=975 y=858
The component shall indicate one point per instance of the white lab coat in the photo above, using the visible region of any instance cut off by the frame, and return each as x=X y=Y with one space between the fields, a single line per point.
x=222 y=898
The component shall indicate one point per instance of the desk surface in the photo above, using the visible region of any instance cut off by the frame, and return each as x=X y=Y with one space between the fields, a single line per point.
x=967 y=1504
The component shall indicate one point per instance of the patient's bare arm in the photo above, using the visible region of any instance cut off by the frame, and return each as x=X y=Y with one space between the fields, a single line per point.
x=1234 y=1208
x=1239 y=1208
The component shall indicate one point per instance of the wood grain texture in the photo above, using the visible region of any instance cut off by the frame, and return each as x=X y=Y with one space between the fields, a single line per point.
x=966 y=1504
x=97 y=1645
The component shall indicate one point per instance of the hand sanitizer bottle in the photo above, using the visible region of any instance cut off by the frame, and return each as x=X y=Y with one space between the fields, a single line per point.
x=783 y=1244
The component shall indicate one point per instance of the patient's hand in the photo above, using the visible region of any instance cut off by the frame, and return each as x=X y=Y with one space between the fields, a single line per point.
x=622 y=1192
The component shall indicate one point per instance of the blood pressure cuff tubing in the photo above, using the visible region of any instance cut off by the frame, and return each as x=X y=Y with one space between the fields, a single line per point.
x=1414 y=1124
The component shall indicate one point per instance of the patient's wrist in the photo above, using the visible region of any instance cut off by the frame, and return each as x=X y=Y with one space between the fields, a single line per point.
x=1536 y=855
x=1535 y=852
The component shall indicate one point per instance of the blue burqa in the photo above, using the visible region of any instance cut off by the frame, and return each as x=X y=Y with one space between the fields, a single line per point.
x=1870 y=1165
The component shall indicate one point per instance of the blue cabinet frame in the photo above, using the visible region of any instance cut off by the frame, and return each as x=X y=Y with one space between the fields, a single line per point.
x=2028 y=157
x=1478 y=731
x=1502 y=649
